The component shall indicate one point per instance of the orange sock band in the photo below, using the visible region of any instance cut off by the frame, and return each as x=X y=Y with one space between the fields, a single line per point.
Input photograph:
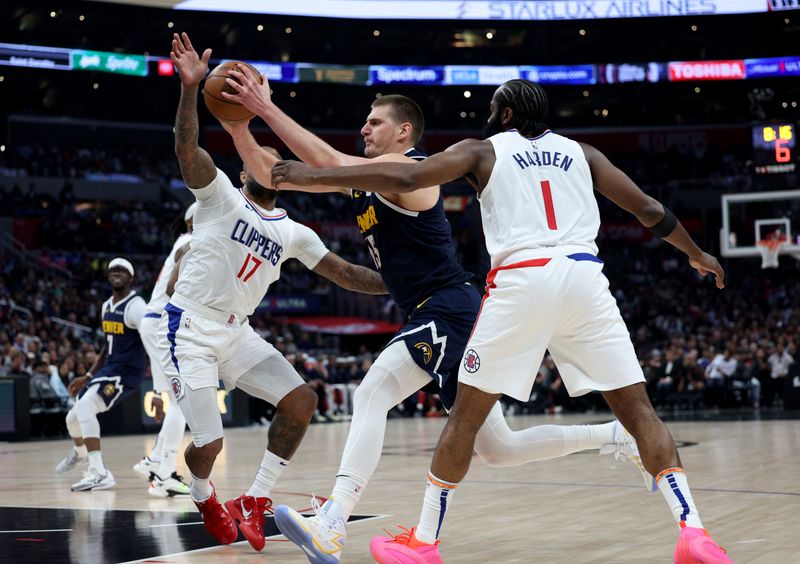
x=440 y=484
x=667 y=471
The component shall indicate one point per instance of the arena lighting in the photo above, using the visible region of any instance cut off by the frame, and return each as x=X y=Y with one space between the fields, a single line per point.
x=509 y=10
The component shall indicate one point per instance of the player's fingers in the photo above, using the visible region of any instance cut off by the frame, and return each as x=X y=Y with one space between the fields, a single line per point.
x=244 y=71
x=187 y=42
x=206 y=56
x=173 y=56
x=235 y=85
x=179 y=43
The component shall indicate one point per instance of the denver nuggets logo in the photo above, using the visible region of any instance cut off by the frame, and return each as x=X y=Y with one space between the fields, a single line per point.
x=472 y=362
x=427 y=351
x=177 y=387
x=109 y=390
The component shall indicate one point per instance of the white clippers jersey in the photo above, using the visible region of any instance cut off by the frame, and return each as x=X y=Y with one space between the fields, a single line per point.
x=159 y=297
x=238 y=249
x=539 y=201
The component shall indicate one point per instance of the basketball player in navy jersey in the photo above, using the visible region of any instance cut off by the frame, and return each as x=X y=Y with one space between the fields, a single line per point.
x=546 y=290
x=410 y=241
x=117 y=372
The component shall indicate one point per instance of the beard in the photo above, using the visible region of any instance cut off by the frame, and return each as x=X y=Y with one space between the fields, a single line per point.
x=260 y=192
x=492 y=127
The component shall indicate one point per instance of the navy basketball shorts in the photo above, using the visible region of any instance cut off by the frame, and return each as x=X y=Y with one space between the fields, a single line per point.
x=113 y=385
x=437 y=332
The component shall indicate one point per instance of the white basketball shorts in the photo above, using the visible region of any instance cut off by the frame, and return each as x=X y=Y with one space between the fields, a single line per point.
x=562 y=304
x=198 y=351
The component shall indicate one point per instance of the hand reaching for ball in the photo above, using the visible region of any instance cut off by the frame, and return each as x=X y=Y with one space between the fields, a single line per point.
x=191 y=68
x=251 y=90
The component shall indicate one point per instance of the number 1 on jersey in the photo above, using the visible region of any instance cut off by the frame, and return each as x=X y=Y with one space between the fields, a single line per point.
x=256 y=264
x=548 y=205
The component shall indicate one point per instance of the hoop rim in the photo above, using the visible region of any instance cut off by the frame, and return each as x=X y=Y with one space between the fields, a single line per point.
x=772 y=244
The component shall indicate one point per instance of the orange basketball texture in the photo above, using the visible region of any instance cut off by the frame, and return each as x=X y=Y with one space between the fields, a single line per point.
x=215 y=84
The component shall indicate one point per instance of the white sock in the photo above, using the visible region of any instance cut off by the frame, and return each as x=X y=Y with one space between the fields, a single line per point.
x=675 y=488
x=438 y=495
x=168 y=464
x=81 y=451
x=346 y=493
x=271 y=468
x=155 y=454
x=169 y=441
x=96 y=461
x=201 y=488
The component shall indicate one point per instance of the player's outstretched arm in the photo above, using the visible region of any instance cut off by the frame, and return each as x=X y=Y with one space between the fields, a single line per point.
x=308 y=147
x=197 y=168
x=387 y=176
x=260 y=161
x=350 y=276
x=617 y=187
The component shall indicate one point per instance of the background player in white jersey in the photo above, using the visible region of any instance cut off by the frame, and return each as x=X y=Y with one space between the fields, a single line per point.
x=117 y=372
x=159 y=467
x=411 y=243
x=546 y=290
x=239 y=242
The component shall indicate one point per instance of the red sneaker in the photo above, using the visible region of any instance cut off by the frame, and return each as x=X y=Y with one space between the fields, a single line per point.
x=216 y=519
x=248 y=512
x=695 y=546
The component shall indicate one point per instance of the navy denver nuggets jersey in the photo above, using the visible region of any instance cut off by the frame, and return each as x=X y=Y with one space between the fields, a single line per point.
x=125 y=353
x=413 y=251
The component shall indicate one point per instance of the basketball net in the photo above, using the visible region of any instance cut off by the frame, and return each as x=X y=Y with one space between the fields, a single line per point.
x=770 y=249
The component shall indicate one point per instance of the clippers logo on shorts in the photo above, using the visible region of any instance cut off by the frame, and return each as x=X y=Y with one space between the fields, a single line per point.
x=427 y=351
x=177 y=387
x=109 y=390
x=472 y=362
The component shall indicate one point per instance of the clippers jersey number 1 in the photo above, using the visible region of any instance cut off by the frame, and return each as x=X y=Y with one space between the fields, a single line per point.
x=549 y=210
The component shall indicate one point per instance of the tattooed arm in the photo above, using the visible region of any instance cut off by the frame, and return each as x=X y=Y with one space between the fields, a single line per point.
x=197 y=168
x=350 y=276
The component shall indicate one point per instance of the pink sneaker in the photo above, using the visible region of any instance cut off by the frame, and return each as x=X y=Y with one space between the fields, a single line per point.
x=404 y=549
x=695 y=546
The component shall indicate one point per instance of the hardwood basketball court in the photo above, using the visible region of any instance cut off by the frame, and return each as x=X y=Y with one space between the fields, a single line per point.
x=578 y=509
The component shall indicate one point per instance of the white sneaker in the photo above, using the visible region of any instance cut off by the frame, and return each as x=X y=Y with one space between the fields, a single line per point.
x=321 y=537
x=624 y=448
x=170 y=487
x=145 y=468
x=93 y=480
x=69 y=463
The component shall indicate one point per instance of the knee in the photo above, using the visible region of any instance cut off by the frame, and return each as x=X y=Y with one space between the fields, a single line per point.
x=489 y=453
x=300 y=404
x=209 y=450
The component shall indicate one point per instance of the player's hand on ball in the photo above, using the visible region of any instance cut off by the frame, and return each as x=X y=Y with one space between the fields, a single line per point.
x=292 y=172
x=250 y=93
x=191 y=67
x=704 y=263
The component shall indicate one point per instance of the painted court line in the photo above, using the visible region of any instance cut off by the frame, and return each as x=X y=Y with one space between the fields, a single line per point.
x=37 y=531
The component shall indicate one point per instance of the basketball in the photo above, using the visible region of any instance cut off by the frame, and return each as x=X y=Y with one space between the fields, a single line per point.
x=222 y=109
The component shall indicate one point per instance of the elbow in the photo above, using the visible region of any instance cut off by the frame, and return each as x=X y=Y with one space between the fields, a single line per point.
x=651 y=213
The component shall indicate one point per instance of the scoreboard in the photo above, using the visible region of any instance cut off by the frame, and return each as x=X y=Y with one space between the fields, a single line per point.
x=774 y=148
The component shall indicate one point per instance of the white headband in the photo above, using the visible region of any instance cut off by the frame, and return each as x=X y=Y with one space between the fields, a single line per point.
x=124 y=263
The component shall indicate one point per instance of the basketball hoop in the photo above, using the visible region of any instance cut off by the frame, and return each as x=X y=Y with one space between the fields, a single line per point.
x=770 y=249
